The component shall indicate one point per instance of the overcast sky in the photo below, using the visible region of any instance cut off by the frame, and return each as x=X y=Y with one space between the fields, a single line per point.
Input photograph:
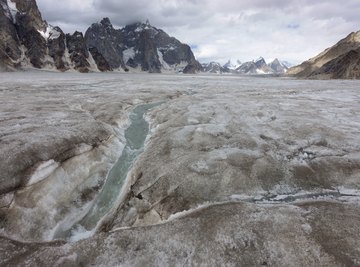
x=217 y=30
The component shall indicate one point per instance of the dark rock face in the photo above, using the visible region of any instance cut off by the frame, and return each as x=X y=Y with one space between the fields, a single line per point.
x=100 y=61
x=139 y=45
x=28 y=24
x=344 y=67
x=154 y=50
x=56 y=48
x=193 y=67
x=107 y=41
x=260 y=63
x=148 y=57
x=277 y=66
x=78 y=51
x=9 y=44
x=31 y=16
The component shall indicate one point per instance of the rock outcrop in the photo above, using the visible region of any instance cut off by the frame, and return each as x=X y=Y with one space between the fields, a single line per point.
x=141 y=46
x=10 y=52
x=107 y=41
x=78 y=51
x=340 y=61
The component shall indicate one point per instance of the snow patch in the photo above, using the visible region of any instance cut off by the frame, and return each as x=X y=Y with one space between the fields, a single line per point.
x=43 y=171
x=50 y=33
x=128 y=54
x=93 y=65
x=162 y=61
x=80 y=233
x=260 y=71
x=12 y=9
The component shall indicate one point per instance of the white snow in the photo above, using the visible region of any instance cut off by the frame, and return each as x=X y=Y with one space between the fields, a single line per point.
x=162 y=61
x=81 y=233
x=12 y=9
x=43 y=171
x=259 y=59
x=50 y=33
x=128 y=54
x=93 y=65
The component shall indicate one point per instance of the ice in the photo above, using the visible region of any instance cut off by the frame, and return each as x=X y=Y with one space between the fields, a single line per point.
x=44 y=170
x=50 y=33
x=248 y=163
x=13 y=10
x=272 y=143
x=128 y=54
x=162 y=61
x=81 y=233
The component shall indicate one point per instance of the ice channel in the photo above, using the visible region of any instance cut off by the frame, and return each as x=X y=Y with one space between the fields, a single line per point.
x=135 y=136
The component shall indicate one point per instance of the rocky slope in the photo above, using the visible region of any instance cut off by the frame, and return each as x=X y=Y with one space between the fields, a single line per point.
x=27 y=41
x=340 y=61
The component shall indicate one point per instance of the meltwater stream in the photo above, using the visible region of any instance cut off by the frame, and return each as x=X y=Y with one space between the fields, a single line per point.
x=135 y=136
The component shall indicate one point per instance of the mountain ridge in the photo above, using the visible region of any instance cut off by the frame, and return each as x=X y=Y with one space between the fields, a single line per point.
x=254 y=67
x=339 y=61
x=27 y=41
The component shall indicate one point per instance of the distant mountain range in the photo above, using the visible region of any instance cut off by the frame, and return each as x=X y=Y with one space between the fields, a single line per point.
x=27 y=41
x=254 y=67
x=341 y=61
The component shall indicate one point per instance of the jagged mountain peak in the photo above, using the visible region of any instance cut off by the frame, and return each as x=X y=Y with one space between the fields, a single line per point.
x=231 y=66
x=260 y=59
x=106 y=22
x=277 y=66
x=276 y=61
x=260 y=62
x=353 y=37
x=29 y=41
x=139 y=27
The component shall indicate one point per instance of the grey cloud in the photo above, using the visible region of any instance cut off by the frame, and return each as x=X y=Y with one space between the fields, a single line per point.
x=221 y=29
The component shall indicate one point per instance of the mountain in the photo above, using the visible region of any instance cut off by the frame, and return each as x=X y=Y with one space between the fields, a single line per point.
x=340 y=61
x=103 y=39
x=141 y=46
x=278 y=67
x=255 y=67
x=230 y=66
x=27 y=41
x=214 y=67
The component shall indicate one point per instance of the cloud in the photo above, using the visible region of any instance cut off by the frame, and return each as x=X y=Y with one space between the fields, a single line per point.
x=292 y=30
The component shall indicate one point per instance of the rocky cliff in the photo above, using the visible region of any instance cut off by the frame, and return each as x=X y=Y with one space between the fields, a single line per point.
x=140 y=46
x=27 y=41
x=340 y=61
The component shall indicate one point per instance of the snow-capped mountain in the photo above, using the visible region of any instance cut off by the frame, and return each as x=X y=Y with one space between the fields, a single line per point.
x=230 y=66
x=254 y=67
x=140 y=46
x=278 y=66
x=30 y=42
x=214 y=67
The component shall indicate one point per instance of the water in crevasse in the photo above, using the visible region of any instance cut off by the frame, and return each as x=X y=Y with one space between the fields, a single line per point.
x=135 y=136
